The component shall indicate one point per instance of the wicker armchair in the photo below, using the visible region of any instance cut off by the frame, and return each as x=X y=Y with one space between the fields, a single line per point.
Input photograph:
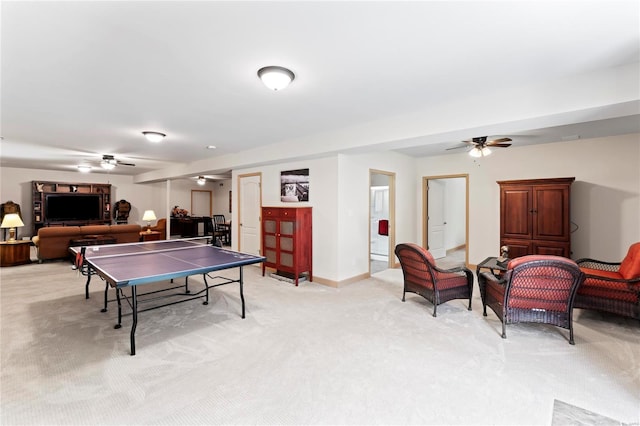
x=611 y=287
x=423 y=277
x=535 y=288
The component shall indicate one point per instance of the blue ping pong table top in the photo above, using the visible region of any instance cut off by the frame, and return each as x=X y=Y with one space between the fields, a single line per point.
x=131 y=264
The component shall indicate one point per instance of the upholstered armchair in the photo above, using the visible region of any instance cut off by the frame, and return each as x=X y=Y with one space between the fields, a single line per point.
x=423 y=277
x=611 y=287
x=161 y=226
x=535 y=288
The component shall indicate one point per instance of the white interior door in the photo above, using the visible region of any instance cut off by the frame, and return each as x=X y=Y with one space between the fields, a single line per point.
x=250 y=199
x=436 y=223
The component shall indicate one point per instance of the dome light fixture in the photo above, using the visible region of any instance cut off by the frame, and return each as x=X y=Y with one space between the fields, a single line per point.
x=154 y=136
x=201 y=180
x=276 y=78
x=479 y=152
x=84 y=169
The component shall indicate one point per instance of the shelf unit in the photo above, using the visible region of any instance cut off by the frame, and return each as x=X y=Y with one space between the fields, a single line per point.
x=286 y=241
x=40 y=189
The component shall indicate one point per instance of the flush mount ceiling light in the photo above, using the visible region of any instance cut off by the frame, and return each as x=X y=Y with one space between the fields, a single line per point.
x=154 y=136
x=84 y=169
x=276 y=78
x=479 y=152
x=201 y=180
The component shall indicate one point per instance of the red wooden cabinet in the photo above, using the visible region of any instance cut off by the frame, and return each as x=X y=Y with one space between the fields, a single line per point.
x=534 y=216
x=286 y=241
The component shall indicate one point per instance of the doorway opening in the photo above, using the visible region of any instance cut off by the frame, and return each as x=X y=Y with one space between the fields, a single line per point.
x=381 y=220
x=445 y=218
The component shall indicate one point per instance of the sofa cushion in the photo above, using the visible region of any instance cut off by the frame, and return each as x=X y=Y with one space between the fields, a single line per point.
x=600 y=273
x=630 y=266
x=605 y=289
x=94 y=229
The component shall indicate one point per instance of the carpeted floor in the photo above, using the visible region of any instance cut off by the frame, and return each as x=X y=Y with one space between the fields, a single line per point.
x=306 y=355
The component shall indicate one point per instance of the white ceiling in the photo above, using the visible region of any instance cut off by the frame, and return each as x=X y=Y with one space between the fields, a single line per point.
x=83 y=79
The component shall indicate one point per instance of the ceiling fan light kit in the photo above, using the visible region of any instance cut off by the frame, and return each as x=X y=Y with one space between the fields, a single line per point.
x=154 y=137
x=201 y=180
x=479 y=152
x=276 y=78
x=107 y=164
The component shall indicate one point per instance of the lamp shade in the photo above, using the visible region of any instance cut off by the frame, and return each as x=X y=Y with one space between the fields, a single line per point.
x=149 y=215
x=12 y=221
x=276 y=78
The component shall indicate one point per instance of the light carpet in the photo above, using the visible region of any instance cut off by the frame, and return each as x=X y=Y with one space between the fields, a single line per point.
x=305 y=355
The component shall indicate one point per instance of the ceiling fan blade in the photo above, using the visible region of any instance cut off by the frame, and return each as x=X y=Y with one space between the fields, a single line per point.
x=473 y=142
x=495 y=142
x=456 y=147
x=120 y=163
x=501 y=145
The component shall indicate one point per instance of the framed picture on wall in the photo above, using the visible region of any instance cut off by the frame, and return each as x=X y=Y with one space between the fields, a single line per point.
x=294 y=186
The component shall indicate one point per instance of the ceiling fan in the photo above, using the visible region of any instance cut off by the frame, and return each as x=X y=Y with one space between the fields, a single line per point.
x=109 y=162
x=481 y=145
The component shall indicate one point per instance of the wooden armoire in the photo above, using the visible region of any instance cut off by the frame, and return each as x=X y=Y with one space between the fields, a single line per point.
x=535 y=216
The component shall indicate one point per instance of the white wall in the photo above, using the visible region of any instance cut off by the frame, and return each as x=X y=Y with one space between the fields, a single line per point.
x=323 y=184
x=605 y=198
x=353 y=212
x=221 y=198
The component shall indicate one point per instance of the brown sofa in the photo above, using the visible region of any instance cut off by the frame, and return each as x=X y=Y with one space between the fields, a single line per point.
x=53 y=242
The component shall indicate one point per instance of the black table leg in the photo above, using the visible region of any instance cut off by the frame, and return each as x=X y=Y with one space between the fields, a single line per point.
x=134 y=307
x=106 y=290
x=241 y=292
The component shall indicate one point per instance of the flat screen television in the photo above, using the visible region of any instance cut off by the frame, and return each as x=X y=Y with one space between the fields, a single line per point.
x=61 y=207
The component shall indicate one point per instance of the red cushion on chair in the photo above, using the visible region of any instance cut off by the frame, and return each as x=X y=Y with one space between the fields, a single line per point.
x=630 y=266
x=531 y=257
x=424 y=251
x=601 y=273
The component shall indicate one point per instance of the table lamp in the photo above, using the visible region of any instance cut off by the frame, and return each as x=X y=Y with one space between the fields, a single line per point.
x=11 y=221
x=148 y=216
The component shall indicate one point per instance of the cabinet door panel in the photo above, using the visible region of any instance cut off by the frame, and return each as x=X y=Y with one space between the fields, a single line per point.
x=286 y=227
x=286 y=259
x=551 y=248
x=271 y=256
x=515 y=214
x=270 y=241
x=286 y=243
x=270 y=226
x=551 y=211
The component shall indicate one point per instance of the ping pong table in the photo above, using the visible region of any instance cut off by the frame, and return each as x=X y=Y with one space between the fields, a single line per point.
x=130 y=265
